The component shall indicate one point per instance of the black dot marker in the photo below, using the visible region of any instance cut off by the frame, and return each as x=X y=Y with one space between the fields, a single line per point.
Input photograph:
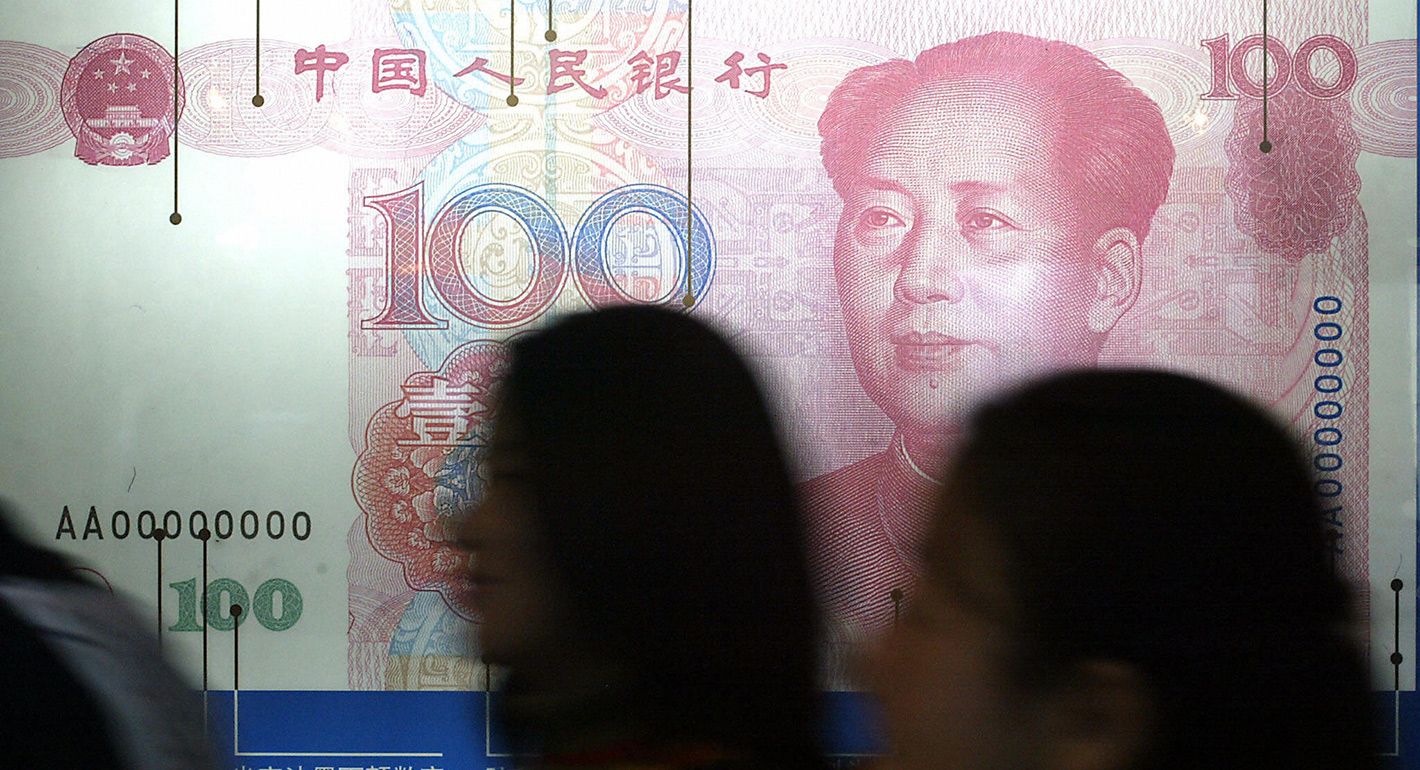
x=1397 y=584
x=258 y=100
x=1266 y=146
x=176 y=218
x=512 y=100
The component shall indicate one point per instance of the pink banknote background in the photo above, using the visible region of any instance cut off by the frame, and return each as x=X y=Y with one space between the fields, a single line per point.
x=1240 y=256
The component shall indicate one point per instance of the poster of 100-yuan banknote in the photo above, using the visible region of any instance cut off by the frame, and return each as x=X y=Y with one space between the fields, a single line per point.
x=268 y=291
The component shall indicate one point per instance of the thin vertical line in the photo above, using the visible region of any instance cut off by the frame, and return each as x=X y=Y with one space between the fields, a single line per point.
x=512 y=64
x=159 y=538
x=1396 y=585
x=689 y=151
x=176 y=217
x=236 y=613
x=258 y=47
x=1266 y=145
x=487 y=709
x=205 y=535
x=236 y=715
x=1397 y=721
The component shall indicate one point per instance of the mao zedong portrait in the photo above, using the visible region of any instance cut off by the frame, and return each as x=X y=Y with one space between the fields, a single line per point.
x=997 y=192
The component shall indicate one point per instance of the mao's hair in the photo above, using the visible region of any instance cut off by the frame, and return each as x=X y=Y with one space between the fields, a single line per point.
x=664 y=505
x=1107 y=138
x=1159 y=521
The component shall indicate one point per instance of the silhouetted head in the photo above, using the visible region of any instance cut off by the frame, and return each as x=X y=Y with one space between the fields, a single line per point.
x=640 y=524
x=20 y=558
x=1128 y=569
x=997 y=191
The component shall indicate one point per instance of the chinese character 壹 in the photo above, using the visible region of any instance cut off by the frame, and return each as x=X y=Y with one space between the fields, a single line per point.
x=441 y=414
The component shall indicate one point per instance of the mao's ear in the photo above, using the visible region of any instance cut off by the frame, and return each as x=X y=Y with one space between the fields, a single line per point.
x=1118 y=273
x=1100 y=716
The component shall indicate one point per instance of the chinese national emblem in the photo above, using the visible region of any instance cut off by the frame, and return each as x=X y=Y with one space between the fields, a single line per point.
x=117 y=98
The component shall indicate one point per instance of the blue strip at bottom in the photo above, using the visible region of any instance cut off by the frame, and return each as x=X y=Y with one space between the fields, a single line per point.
x=312 y=729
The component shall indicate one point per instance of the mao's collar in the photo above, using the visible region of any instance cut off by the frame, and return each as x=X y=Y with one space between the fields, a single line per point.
x=903 y=496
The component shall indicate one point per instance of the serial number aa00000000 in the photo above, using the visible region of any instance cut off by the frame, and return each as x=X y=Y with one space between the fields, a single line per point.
x=222 y=525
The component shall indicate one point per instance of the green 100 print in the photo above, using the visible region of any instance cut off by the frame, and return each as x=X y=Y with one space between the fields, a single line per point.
x=276 y=604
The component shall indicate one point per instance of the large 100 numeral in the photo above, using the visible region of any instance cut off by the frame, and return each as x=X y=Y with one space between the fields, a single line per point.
x=414 y=260
x=222 y=593
x=1229 y=64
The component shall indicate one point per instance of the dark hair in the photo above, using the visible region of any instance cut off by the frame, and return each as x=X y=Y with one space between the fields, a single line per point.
x=667 y=512
x=1110 y=141
x=1157 y=520
x=24 y=559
